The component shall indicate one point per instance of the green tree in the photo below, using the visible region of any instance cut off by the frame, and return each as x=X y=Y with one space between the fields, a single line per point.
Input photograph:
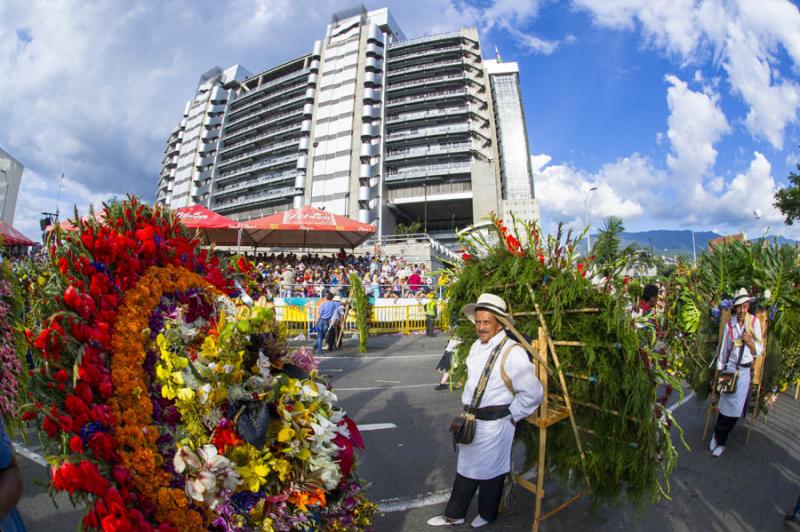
x=607 y=247
x=787 y=200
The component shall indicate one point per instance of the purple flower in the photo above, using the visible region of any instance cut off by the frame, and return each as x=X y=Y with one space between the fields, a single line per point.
x=715 y=312
x=726 y=304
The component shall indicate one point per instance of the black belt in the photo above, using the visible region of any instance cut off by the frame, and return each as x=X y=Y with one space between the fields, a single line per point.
x=490 y=413
x=748 y=365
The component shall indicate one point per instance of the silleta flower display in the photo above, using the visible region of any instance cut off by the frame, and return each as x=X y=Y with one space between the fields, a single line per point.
x=170 y=405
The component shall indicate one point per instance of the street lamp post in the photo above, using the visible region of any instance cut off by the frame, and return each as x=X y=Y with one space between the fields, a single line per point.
x=425 y=187
x=586 y=217
x=694 y=248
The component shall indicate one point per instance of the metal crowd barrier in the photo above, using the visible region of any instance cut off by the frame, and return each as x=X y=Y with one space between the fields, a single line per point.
x=384 y=319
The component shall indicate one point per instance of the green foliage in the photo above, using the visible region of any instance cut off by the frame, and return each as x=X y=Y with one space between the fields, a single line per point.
x=407 y=229
x=607 y=246
x=769 y=271
x=362 y=307
x=787 y=200
x=629 y=451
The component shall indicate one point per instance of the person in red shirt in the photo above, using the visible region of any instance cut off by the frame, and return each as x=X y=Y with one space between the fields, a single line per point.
x=414 y=281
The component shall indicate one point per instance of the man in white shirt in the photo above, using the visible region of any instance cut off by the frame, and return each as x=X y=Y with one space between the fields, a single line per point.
x=485 y=461
x=741 y=343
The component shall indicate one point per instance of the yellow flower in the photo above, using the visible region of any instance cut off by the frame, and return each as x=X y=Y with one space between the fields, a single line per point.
x=285 y=434
x=282 y=467
x=254 y=475
x=209 y=348
x=168 y=392
x=304 y=454
x=185 y=394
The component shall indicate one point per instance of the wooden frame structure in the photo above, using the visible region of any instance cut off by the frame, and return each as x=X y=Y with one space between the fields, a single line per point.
x=555 y=408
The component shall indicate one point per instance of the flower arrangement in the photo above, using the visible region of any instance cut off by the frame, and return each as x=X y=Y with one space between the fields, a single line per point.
x=168 y=405
x=11 y=364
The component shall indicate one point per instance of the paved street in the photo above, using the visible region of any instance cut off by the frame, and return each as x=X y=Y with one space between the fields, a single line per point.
x=410 y=462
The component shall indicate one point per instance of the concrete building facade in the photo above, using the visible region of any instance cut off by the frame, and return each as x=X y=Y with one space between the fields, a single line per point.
x=369 y=124
x=10 y=179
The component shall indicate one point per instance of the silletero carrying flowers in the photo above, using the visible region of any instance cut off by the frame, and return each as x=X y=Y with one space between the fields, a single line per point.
x=170 y=406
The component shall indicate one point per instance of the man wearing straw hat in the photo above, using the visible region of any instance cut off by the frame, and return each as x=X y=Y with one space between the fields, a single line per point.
x=741 y=343
x=512 y=392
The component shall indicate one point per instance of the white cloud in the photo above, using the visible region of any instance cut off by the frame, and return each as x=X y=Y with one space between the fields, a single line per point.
x=565 y=192
x=696 y=123
x=39 y=194
x=744 y=36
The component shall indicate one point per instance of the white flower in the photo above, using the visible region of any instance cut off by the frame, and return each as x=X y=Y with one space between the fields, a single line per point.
x=767 y=294
x=185 y=457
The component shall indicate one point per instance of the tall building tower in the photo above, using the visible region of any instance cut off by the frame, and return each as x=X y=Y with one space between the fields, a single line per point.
x=191 y=154
x=516 y=175
x=10 y=178
x=369 y=124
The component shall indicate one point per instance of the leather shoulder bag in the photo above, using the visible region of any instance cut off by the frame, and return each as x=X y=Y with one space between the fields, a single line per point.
x=463 y=425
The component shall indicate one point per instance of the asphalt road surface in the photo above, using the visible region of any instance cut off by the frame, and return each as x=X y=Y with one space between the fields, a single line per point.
x=409 y=461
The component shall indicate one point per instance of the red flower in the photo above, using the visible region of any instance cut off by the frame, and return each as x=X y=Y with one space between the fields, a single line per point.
x=76 y=445
x=102 y=445
x=580 y=266
x=466 y=256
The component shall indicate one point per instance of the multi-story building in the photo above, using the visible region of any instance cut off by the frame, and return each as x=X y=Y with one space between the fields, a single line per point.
x=370 y=125
x=10 y=178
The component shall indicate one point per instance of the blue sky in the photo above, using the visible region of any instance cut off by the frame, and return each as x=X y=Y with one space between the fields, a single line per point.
x=682 y=113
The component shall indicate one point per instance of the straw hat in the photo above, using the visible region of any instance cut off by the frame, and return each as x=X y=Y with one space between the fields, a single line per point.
x=494 y=304
x=740 y=297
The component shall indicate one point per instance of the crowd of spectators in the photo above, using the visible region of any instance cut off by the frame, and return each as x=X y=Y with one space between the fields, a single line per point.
x=314 y=275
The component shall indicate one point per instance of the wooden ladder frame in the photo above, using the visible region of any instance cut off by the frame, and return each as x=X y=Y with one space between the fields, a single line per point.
x=555 y=408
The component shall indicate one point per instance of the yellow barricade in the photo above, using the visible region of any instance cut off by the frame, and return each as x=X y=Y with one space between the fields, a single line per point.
x=385 y=319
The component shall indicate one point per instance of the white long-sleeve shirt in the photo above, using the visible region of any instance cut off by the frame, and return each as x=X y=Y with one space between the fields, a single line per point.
x=489 y=454
x=729 y=351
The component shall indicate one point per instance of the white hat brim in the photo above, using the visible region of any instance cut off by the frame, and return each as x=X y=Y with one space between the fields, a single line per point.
x=469 y=311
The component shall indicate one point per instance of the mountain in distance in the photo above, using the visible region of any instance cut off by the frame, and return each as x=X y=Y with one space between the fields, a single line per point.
x=674 y=242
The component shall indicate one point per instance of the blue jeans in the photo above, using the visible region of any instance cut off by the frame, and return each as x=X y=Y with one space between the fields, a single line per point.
x=322 y=330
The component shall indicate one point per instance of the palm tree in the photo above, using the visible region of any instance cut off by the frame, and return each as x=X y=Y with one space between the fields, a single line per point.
x=607 y=247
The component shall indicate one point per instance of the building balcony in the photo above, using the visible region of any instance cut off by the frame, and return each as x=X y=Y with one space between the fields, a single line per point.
x=258 y=181
x=304 y=144
x=302 y=162
x=275 y=162
x=428 y=151
x=372 y=95
x=308 y=109
x=246 y=98
x=271 y=120
x=260 y=150
x=218 y=94
x=414 y=172
x=370 y=111
x=212 y=121
x=406 y=55
x=414 y=69
x=373 y=79
x=312 y=79
x=310 y=94
x=433 y=80
x=250 y=199
x=370 y=150
x=428 y=113
x=368 y=171
x=248 y=141
x=264 y=115
x=427 y=97
x=374 y=49
x=370 y=131
x=238 y=113
x=366 y=193
x=374 y=64
x=427 y=132
x=314 y=65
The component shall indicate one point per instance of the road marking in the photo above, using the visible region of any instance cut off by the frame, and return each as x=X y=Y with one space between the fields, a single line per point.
x=337 y=390
x=376 y=426
x=30 y=455
x=332 y=370
x=401 y=505
x=681 y=402
x=391 y=382
x=366 y=357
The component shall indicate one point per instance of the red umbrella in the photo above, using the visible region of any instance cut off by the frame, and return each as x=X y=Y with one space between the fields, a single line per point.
x=308 y=227
x=11 y=237
x=212 y=227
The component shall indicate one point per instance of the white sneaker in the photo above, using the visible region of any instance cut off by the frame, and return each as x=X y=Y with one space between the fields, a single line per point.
x=478 y=522
x=719 y=450
x=713 y=445
x=443 y=520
